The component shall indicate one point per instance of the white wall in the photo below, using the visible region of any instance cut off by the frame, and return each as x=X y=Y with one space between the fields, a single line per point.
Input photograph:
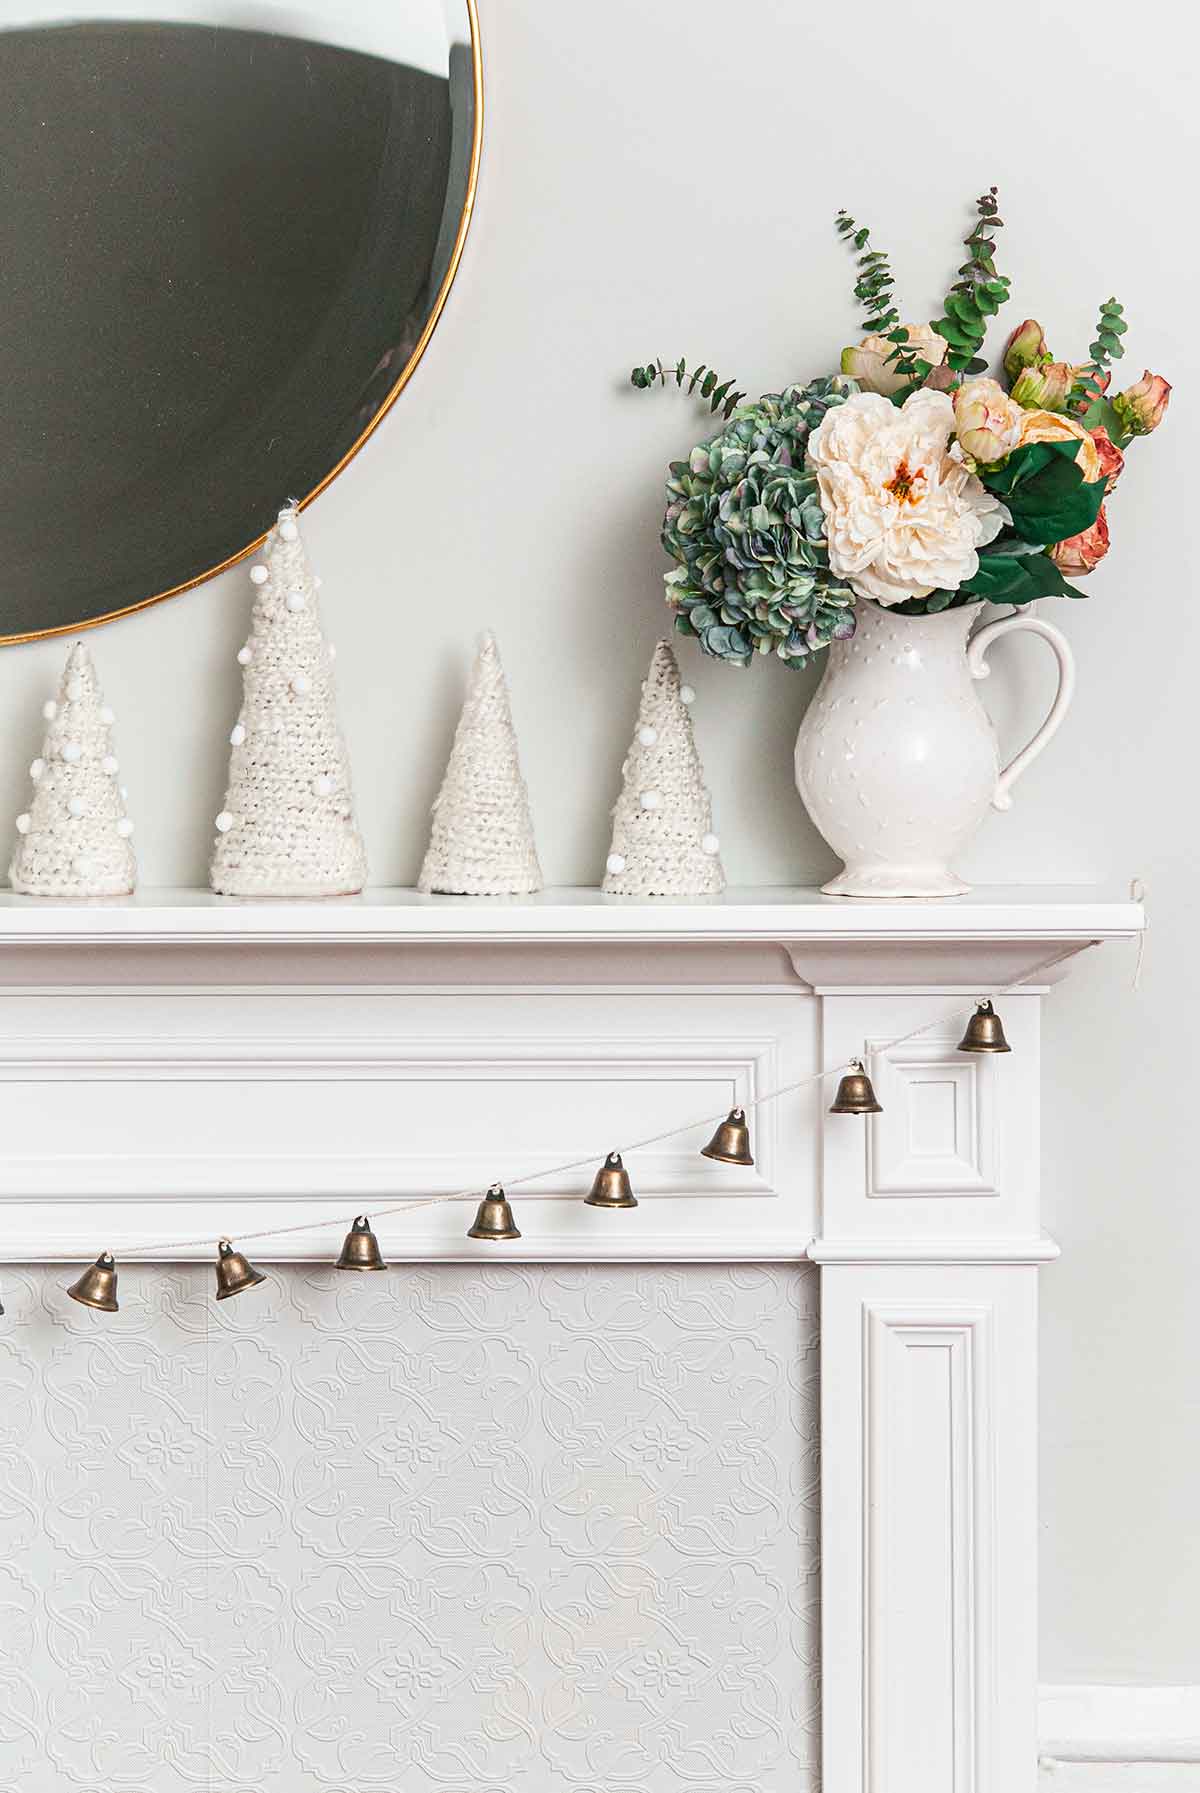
x=662 y=178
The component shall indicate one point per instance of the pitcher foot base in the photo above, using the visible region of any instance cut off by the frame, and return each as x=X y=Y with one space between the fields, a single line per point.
x=885 y=881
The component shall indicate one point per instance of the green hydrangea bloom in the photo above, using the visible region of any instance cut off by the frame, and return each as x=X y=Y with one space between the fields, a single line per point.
x=744 y=521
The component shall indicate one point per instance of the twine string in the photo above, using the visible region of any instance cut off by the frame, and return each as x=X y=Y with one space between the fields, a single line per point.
x=411 y=1203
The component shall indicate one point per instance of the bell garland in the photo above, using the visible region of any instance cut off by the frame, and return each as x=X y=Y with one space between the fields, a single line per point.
x=611 y=1187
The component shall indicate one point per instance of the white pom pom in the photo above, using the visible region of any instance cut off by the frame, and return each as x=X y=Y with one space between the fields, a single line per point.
x=245 y=655
x=323 y=785
x=110 y=764
x=647 y=736
x=49 y=709
x=296 y=601
x=74 y=690
x=23 y=824
x=124 y=795
x=650 y=800
x=260 y=574
x=237 y=735
x=107 y=717
x=301 y=684
x=332 y=651
x=36 y=768
x=288 y=531
x=76 y=806
x=711 y=845
x=224 y=822
x=124 y=827
x=686 y=695
x=72 y=752
x=615 y=862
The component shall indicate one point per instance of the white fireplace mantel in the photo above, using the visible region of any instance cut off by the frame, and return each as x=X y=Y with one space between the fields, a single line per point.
x=180 y=1067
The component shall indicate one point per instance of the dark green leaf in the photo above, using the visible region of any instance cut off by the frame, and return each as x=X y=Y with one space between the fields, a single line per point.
x=1024 y=463
x=1055 y=503
x=1017 y=579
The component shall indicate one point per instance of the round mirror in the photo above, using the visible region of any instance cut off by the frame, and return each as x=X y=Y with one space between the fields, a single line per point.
x=223 y=249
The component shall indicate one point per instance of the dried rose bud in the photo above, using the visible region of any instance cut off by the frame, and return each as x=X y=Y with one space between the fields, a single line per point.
x=1140 y=407
x=1025 y=348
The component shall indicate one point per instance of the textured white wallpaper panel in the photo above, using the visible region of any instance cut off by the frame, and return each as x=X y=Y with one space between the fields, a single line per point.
x=509 y=1530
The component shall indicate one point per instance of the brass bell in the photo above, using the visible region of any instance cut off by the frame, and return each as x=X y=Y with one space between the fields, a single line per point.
x=234 y=1272
x=494 y=1219
x=611 y=1187
x=855 y=1092
x=97 y=1287
x=360 y=1248
x=730 y=1144
x=985 y=1031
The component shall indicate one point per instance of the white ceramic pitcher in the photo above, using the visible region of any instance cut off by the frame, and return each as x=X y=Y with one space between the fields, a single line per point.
x=897 y=760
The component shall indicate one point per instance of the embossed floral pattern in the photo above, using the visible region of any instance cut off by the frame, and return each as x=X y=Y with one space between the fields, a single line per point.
x=539 y=1530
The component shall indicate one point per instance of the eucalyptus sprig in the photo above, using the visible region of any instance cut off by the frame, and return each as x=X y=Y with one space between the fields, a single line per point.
x=1088 y=388
x=874 y=291
x=977 y=294
x=719 y=393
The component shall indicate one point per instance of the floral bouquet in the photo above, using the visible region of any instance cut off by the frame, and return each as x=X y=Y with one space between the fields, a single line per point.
x=911 y=478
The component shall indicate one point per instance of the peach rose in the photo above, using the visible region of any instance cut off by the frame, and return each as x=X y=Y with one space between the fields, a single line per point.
x=1112 y=461
x=1052 y=426
x=1080 y=553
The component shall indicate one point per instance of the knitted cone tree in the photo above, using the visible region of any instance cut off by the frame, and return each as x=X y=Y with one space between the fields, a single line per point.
x=287 y=828
x=662 y=840
x=74 y=840
x=481 y=843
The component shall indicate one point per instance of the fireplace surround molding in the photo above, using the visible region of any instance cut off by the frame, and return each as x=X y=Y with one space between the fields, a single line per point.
x=185 y=1066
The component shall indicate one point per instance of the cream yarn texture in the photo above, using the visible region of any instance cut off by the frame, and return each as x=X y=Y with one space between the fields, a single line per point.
x=481 y=843
x=287 y=828
x=74 y=840
x=662 y=839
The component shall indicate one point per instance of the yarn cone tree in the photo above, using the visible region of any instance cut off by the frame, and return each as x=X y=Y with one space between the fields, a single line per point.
x=662 y=839
x=287 y=827
x=74 y=839
x=481 y=843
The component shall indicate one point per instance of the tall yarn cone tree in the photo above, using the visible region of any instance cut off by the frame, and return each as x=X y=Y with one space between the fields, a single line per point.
x=481 y=843
x=662 y=839
x=287 y=828
x=74 y=839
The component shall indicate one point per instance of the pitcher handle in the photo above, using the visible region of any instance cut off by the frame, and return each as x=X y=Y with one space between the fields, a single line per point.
x=977 y=649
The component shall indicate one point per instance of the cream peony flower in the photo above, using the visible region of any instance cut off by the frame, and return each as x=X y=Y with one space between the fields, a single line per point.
x=1050 y=426
x=870 y=362
x=903 y=517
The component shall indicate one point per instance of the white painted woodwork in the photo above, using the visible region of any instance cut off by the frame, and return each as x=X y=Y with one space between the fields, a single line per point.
x=1128 y=1730
x=177 y=1066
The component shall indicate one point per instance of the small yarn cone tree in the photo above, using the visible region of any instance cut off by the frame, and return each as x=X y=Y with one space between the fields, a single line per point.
x=74 y=840
x=662 y=839
x=481 y=843
x=287 y=828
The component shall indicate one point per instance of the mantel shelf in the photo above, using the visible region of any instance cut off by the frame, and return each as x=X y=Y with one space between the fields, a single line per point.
x=779 y=914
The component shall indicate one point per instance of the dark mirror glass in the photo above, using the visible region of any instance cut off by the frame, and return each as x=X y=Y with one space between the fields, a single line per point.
x=222 y=249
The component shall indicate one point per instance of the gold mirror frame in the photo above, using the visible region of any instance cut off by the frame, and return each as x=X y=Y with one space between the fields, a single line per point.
x=406 y=374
